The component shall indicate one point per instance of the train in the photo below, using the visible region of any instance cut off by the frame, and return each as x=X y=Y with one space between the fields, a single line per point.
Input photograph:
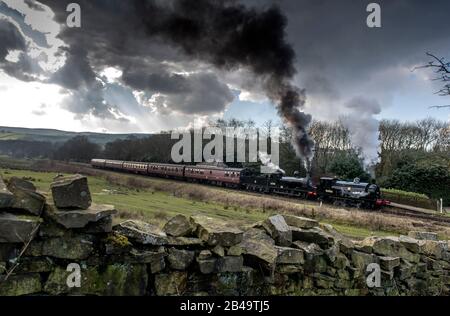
x=331 y=190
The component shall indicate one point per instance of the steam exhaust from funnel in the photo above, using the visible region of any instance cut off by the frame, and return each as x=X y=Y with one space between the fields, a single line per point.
x=266 y=161
x=289 y=108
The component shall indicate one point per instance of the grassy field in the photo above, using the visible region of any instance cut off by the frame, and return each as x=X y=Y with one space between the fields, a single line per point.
x=144 y=204
x=157 y=203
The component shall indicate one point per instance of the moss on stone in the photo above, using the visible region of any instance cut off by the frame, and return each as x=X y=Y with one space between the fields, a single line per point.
x=19 y=285
x=118 y=240
x=112 y=280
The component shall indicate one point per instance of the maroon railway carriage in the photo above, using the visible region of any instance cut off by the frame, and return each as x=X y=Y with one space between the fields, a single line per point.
x=213 y=174
x=166 y=170
x=135 y=167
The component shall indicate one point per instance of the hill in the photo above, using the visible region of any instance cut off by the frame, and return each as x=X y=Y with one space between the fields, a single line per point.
x=55 y=136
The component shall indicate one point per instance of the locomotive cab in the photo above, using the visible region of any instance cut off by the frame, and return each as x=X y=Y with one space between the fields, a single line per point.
x=326 y=185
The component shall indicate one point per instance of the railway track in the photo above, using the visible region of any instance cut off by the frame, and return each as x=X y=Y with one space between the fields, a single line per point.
x=413 y=214
x=396 y=211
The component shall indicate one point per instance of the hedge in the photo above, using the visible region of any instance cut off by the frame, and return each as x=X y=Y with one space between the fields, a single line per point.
x=409 y=198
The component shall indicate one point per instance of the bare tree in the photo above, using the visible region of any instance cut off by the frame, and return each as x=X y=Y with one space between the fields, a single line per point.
x=441 y=68
x=267 y=127
x=427 y=135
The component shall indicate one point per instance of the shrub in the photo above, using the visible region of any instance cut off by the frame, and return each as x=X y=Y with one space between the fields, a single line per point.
x=408 y=198
x=427 y=177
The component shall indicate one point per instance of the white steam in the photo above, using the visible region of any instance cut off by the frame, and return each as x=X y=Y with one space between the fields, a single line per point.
x=266 y=161
x=363 y=126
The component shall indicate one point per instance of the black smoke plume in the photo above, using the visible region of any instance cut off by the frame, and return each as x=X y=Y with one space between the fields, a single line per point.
x=230 y=35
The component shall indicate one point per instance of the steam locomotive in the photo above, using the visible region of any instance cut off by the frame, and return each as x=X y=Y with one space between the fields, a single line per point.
x=332 y=190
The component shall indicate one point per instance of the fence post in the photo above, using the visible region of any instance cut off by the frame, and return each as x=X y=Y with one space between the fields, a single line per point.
x=442 y=206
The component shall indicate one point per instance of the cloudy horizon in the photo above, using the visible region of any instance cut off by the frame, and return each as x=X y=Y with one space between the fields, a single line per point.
x=113 y=74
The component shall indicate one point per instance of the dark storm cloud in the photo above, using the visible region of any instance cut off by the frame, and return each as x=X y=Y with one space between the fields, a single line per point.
x=207 y=96
x=10 y=39
x=156 y=82
x=113 y=34
x=76 y=72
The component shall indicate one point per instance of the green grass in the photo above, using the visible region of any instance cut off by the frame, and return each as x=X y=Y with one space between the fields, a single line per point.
x=12 y=163
x=157 y=207
x=406 y=193
x=359 y=232
x=10 y=136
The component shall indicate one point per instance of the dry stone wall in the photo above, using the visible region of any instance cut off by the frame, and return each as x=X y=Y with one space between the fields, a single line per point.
x=44 y=244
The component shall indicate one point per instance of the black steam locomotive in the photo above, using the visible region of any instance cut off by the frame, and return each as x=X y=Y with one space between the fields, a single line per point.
x=355 y=194
x=332 y=190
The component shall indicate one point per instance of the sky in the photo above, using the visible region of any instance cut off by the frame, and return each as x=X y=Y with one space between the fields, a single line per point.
x=130 y=68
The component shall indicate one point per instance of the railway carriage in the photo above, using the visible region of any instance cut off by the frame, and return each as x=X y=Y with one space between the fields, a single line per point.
x=114 y=165
x=135 y=167
x=98 y=163
x=230 y=177
x=165 y=170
